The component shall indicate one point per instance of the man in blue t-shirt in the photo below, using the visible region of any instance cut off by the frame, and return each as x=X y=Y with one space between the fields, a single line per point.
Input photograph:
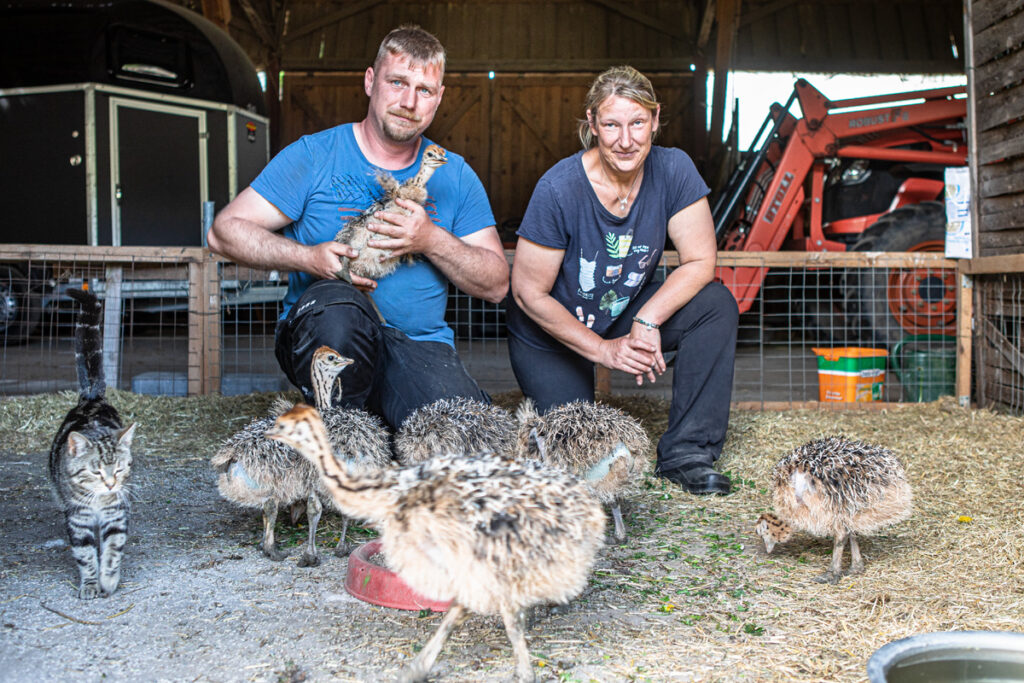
x=288 y=217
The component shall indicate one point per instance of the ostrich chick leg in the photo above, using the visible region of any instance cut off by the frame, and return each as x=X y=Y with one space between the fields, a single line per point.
x=310 y=558
x=420 y=667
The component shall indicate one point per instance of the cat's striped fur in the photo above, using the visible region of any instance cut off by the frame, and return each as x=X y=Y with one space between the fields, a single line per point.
x=90 y=464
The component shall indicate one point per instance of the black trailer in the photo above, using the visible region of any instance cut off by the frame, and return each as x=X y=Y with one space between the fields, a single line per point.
x=122 y=123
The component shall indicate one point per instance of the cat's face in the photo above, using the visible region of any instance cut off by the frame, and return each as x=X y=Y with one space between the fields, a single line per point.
x=101 y=467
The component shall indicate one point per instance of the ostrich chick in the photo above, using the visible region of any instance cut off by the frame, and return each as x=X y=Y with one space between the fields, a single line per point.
x=374 y=262
x=257 y=472
x=454 y=425
x=836 y=487
x=601 y=444
x=491 y=535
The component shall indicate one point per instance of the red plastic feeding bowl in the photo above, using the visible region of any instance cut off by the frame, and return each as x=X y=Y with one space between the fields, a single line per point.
x=381 y=586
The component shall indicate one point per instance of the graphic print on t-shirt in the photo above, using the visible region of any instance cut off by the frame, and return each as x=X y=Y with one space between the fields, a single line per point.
x=617 y=246
x=357 y=194
x=613 y=303
x=587 y=269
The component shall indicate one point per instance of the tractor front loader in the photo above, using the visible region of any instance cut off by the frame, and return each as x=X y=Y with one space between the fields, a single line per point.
x=862 y=174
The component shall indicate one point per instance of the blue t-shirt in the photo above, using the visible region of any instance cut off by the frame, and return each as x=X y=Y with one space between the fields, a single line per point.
x=320 y=181
x=607 y=258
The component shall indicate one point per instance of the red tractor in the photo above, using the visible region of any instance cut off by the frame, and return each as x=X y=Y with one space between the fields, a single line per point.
x=863 y=174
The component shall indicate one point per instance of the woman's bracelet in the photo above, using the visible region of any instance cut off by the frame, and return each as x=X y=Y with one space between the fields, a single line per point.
x=650 y=326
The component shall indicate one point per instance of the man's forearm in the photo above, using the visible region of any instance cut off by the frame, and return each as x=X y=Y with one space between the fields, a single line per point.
x=255 y=247
x=477 y=271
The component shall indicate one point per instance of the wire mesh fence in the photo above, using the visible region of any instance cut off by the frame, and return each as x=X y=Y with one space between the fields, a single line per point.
x=1000 y=360
x=821 y=327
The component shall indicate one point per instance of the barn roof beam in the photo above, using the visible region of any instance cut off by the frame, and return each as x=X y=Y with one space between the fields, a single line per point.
x=643 y=18
x=331 y=18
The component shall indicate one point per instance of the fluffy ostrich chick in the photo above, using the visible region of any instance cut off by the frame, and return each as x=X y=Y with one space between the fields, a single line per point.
x=599 y=443
x=836 y=487
x=491 y=535
x=374 y=262
x=454 y=425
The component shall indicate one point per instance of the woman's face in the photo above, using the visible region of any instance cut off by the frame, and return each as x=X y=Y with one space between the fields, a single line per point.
x=624 y=130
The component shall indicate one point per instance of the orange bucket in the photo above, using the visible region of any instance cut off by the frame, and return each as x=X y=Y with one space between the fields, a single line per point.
x=851 y=373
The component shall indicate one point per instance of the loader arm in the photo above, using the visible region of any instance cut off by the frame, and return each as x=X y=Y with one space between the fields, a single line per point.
x=918 y=127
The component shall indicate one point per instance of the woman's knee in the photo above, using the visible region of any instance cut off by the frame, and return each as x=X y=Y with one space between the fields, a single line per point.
x=718 y=300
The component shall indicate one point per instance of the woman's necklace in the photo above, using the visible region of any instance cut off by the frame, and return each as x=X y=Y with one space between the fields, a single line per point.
x=621 y=200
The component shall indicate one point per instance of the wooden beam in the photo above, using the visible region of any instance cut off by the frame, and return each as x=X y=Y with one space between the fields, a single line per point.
x=218 y=12
x=528 y=120
x=648 y=65
x=349 y=10
x=258 y=24
x=465 y=105
x=964 y=338
x=727 y=14
x=763 y=11
x=707 y=22
x=300 y=100
x=647 y=20
x=992 y=265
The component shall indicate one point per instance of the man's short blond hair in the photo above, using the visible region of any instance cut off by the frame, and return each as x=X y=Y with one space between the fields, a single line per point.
x=413 y=42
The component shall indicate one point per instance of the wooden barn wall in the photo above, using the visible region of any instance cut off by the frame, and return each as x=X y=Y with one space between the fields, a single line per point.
x=895 y=36
x=999 y=335
x=998 y=32
x=510 y=129
x=480 y=35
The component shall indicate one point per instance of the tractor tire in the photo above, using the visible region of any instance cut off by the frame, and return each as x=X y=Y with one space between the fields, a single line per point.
x=885 y=305
x=19 y=312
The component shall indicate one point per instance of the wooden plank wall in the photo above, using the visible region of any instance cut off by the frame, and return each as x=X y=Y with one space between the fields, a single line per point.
x=481 y=35
x=856 y=36
x=999 y=334
x=997 y=27
x=510 y=129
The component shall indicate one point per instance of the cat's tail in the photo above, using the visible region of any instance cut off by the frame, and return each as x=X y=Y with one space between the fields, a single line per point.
x=88 y=345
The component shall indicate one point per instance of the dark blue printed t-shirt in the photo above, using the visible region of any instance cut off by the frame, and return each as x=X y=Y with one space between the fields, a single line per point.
x=320 y=181
x=607 y=258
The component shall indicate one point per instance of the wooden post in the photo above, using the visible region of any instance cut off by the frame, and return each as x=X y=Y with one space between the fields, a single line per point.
x=204 y=364
x=113 y=305
x=964 y=340
x=602 y=379
x=728 y=15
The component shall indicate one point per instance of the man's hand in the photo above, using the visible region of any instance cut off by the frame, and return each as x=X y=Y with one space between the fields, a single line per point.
x=325 y=262
x=404 y=234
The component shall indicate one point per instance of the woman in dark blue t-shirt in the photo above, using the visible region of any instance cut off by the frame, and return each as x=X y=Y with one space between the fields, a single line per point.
x=583 y=286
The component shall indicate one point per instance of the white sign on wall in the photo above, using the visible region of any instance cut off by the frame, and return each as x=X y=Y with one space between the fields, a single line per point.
x=958 y=212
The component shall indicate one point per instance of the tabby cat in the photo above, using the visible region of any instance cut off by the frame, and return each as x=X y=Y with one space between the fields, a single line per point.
x=90 y=463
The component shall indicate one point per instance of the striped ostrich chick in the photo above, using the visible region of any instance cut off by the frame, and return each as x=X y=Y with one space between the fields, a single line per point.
x=599 y=443
x=374 y=262
x=836 y=487
x=257 y=472
x=454 y=425
x=492 y=535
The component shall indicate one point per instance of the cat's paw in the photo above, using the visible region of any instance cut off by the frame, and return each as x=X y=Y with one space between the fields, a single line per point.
x=108 y=587
x=88 y=591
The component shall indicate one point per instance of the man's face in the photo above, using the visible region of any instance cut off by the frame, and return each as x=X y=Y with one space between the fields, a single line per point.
x=404 y=96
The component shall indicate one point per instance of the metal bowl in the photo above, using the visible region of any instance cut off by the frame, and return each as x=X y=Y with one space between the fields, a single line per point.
x=948 y=656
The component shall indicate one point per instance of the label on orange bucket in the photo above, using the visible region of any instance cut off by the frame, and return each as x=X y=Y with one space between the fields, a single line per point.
x=851 y=374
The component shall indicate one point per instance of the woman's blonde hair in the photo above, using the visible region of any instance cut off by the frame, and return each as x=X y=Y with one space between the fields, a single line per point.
x=620 y=81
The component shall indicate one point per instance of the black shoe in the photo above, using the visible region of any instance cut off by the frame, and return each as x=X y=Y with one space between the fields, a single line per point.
x=698 y=479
